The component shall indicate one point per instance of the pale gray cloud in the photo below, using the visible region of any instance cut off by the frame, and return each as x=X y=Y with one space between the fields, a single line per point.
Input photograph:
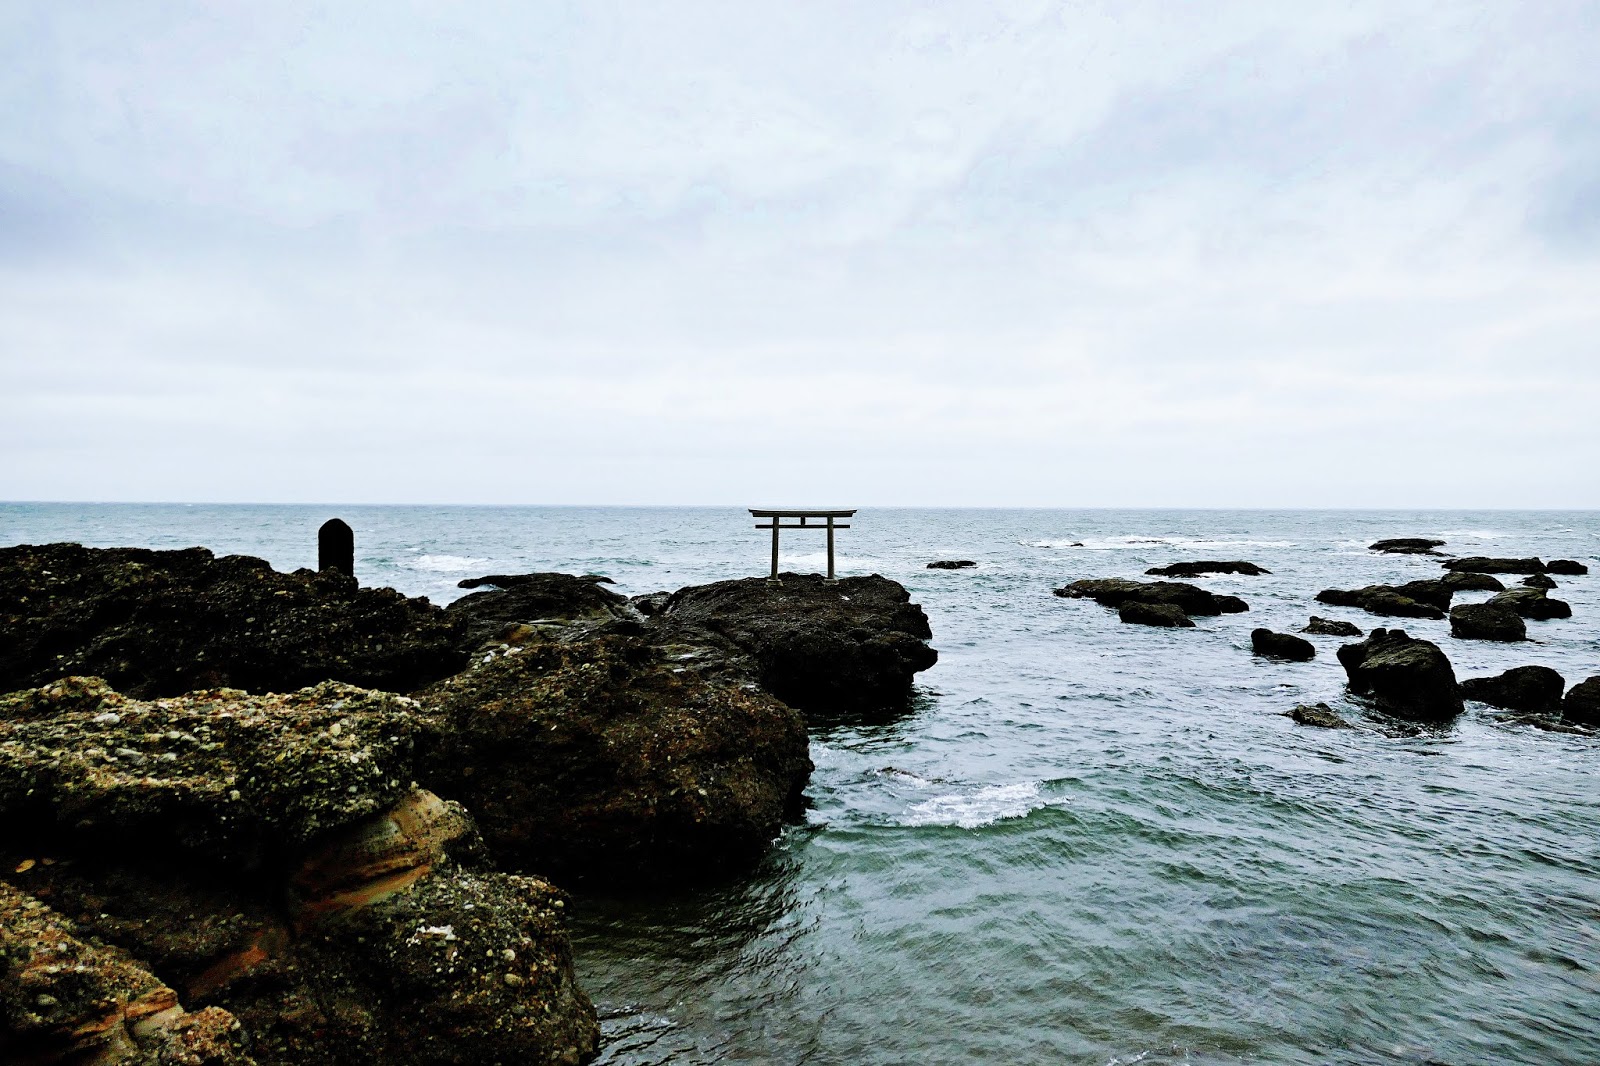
x=1046 y=253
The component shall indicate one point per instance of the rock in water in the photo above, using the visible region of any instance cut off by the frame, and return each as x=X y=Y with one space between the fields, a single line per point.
x=1478 y=564
x=1538 y=581
x=1332 y=627
x=1230 y=604
x=848 y=645
x=1486 y=621
x=1115 y=591
x=1282 y=645
x=161 y=623
x=607 y=758
x=1408 y=677
x=1407 y=546
x=1380 y=599
x=1522 y=688
x=1318 y=714
x=1532 y=603
x=1581 y=706
x=1570 y=567
x=1200 y=569
x=1167 y=615
x=951 y=564
x=1461 y=581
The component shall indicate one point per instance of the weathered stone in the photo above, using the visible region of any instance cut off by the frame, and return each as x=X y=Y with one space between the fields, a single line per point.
x=1200 y=569
x=1434 y=593
x=951 y=564
x=1230 y=604
x=1405 y=676
x=1115 y=591
x=1282 y=645
x=1331 y=627
x=526 y=598
x=1462 y=581
x=1407 y=546
x=1522 y=688
x=1570 y=567
x=1317 y=714
x=1581 y=705
x=1486 y=621
x=1169 y=615
x=1532 y=603
x=1380 y=599
x=1478 y=564
x=1538 y=581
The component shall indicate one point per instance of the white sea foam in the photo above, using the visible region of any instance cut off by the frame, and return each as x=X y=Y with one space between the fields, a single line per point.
x=446 y=564
x=970 y=810
x=1471 y=534
x=1145 y=543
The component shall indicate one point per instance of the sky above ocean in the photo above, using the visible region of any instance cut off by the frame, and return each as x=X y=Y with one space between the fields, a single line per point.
x=1027 y=253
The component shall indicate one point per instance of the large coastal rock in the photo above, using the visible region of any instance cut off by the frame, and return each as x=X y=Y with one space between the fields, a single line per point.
x=1486 y=621
x=1382 y=600
x=1522 y=688
x=1581 y=705
x=604 y=758
x=846 y=645
x=1113 y=592
x=1209 y=566
x=1479 y=564
x=522 y=599
x=1407 y=546
x=1532 y=603
x=1282 y=645
x=1407 y=677
x=161 y=623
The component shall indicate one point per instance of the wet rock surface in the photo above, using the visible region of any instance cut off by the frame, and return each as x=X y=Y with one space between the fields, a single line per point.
x=1200 y=569
x=1381 y=600
x=1568 y=567
x=1281 y=645
x=1115 y=591
x=1581 y=705
x=161 y=623
x=1166 y=615
x=1330 y=627
x=1407 y=546
x=1486 y=621
x=1408 y=677
x=529 y=598
x=951 y=564
x=1480 y=564
x=1538 y=581
x=1461 y=581
x=1317 y=714
x=1532 y=603
x=1522 y=688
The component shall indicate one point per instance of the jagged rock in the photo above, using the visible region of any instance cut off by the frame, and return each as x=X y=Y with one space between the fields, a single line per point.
x=1532 y=603
x=1408 y=677
x=1169 y=615
x=1538 y=581
x=1486 y=621
x=951 y=564
x=1581 y=705
x=608 y=757
x=846 y=645
x=1230 y=604
x=1115 y=591
x=161 y=623
x=1380 y=599
x=1281 y=645
x=1569 y=567
x=67 y=1000
x=1200 y=569
x=1407 y=546
x=1522 y=688
x=1318 y=714
x=1478 y=564
x=651 y=603
x=524 y=598
x=1461 y=581
x=1331 y=627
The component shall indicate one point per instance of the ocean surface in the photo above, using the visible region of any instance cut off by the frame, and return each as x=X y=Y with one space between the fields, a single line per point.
x=1086 y=842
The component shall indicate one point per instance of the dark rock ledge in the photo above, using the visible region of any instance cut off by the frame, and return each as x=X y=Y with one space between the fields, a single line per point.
x=1200 y=569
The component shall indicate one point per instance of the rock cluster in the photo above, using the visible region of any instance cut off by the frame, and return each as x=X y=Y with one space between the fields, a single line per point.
x=1395 y=602
x=1407 y=677
x=1531 y=603
x=1407 y=546
x=1113 y=592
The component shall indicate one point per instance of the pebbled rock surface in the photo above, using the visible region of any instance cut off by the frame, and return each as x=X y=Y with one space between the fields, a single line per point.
x=1479 y=564
x=1282 y=645
x=1167 y=615
x=1317 y=714
x=1532 y=603
x=1200 y=569
x=1115 y=591
x=161 y=623
x=854 y=644
x=1407 y=546
x=1407 y=677
x=1486 y=621
x=1382 y=600
x=1581 y=705
x=1522 y=688
x=1329 y=627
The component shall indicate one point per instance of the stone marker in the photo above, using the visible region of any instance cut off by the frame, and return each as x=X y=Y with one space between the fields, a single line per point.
x=336 y=547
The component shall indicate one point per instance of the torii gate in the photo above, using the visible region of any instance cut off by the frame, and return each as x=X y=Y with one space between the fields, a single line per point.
x=776 y=524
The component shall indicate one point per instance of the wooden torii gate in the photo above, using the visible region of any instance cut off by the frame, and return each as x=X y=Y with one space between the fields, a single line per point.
x=776 y=524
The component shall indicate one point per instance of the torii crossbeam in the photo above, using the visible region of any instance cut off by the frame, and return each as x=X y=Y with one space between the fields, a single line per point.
x=778 y=515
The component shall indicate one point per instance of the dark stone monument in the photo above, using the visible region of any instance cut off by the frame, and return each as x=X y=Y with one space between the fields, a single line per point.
x=336 y=547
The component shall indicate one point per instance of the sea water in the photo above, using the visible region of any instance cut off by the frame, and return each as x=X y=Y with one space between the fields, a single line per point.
x=1084 y=842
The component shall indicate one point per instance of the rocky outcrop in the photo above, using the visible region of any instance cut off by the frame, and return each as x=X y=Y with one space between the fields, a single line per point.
x=1407 y=677
x=1407 y=546
x=1200 y=569
x=1479 y=564
x=1380 y=599
x=1532 y=603
x=1281 y=645
x=161 y=623
x=1538 y=581
x=1581 y=705
x=524 y=599
x=1568 y=567
x=1165 y=615
x=854 y=644
x=1115 y=591
x=604 y=758
x=1522 y=688
x=1317 y=714
x=1230 y=604
x=1460 y=581
x=1329 y=627
x=951 y=564
x=1486 y=621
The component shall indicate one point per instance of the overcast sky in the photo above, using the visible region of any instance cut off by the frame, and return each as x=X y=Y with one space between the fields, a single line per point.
x=1047 y=253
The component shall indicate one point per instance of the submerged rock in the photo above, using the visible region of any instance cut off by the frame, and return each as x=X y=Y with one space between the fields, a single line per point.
x=161 y=623
x=1407 y=546
x=1479 y=564
x=951 y=564
x=1522 y=688
x=1532 y=603
x=1168 y=615
x=1569 y=567
x=1407 y=677
x=1282 y=645
x=1115 y=591
x=1486 y=621
x=1317 y=714
x=1380 y=599
x=1538 y=581
x=1581 y=705
x=1329 y=627
x=1200 y=569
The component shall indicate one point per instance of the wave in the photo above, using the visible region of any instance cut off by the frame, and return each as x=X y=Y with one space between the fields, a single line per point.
x=972 y=810
x=445 y=564
x=1119 y=543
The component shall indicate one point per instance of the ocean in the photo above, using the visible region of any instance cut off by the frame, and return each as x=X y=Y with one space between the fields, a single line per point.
x=1084 y=842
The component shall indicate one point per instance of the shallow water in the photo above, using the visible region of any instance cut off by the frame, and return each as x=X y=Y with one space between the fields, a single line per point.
x=1087 y=842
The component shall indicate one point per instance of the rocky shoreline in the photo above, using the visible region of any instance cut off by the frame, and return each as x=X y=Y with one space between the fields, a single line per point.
x=256 y=817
